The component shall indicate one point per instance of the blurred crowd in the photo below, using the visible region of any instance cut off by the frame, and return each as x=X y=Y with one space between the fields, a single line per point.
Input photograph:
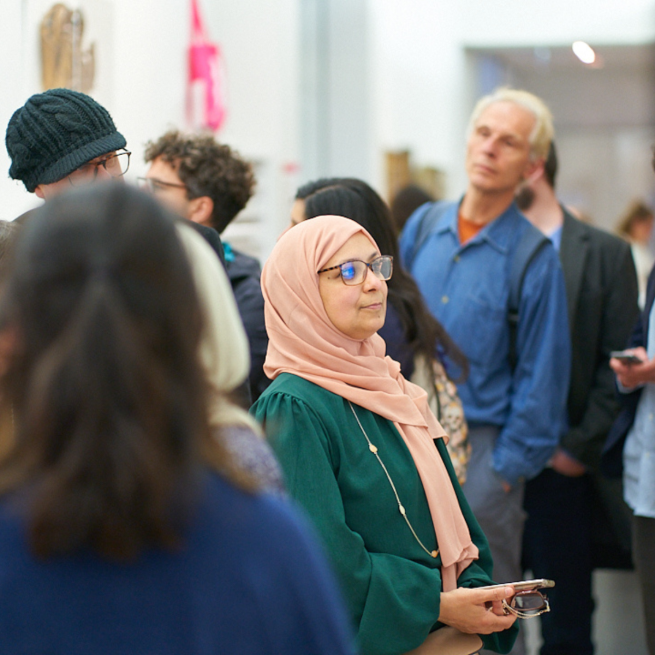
x=418 y=426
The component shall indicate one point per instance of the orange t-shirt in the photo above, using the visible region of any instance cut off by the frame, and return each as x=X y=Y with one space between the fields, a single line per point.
x=467 y=229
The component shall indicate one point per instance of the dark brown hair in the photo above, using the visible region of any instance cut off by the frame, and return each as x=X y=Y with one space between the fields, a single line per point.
x=406 y=202
x=356 y=200
x=207 y=168
x=108 y=397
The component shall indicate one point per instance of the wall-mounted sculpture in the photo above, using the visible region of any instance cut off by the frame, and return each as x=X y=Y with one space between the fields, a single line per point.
x=63 y=61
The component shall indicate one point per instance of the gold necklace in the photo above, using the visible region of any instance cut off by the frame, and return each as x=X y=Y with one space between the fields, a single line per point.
x=401 y=509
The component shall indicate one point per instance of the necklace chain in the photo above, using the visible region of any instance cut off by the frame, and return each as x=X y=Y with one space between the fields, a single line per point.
x=401 y=508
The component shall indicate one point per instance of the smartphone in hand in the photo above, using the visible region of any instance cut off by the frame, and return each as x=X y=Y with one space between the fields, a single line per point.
x=626 y=357
x=524 y=585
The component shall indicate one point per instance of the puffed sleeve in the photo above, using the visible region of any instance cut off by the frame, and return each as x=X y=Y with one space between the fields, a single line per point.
x=393 y=601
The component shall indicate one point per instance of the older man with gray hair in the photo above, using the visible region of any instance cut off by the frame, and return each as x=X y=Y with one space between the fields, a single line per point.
x=495 y=283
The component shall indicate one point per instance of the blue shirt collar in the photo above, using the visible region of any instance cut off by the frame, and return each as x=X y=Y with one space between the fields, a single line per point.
x=497 y=233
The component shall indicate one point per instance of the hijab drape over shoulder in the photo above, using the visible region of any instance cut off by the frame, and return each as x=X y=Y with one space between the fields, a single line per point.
x=303 y=341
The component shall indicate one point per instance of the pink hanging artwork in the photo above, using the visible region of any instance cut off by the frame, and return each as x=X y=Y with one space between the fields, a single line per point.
x=206 y=82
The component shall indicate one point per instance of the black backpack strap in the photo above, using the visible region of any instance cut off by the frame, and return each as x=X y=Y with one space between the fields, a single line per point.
x=532 y=241
x=430 y=213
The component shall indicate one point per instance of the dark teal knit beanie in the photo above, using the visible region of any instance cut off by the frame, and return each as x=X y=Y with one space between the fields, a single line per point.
x=54 y=133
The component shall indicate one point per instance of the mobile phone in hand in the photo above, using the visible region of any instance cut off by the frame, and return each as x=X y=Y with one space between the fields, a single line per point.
x=626 y=357
x=524 y=585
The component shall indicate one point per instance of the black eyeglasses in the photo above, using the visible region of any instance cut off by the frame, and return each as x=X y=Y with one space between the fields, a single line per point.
x=527 y=604
x=116 y=165
x=354 y=272
x=154 y=185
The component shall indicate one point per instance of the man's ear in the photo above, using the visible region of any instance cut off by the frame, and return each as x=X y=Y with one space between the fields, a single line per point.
x=534 y=170
x=38 y=192
x=200 y=210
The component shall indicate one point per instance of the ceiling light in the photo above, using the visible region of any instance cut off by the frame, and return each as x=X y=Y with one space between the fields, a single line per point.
x=584 y=52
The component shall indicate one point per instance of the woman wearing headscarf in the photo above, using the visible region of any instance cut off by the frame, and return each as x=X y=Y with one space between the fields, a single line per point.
x=413 y=336
x=363 y=453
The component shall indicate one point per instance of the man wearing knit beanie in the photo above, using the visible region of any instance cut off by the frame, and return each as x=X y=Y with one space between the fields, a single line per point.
x=62 y=138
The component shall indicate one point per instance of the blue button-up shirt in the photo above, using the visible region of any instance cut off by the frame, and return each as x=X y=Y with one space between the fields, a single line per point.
x=467 y=287
x=639 y=449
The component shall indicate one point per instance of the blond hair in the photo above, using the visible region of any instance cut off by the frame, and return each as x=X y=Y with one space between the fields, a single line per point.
x=543 y=131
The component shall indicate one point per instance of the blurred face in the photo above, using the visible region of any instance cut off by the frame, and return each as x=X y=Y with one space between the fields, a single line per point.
x=498 y=149
x=356 y=311
x=167 y=186
x=297 y=212
x=641 y=230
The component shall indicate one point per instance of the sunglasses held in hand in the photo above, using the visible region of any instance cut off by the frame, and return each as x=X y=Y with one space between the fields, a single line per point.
x=528 y=602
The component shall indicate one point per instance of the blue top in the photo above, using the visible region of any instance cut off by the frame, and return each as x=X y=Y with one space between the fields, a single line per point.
x=556 y=238
x=249 y=579
x=639 y=449
x=466 y=287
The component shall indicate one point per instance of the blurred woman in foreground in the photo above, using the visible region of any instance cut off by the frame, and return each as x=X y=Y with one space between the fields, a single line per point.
x=117 y=535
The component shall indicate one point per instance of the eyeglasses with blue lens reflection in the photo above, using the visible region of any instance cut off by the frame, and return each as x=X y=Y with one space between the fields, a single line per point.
x=354 y=272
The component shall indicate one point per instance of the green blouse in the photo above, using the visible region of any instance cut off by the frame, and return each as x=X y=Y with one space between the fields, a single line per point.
x=391 y=585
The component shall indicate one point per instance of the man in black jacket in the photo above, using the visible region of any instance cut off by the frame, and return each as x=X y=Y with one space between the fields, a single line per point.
x=601 y=289
x=209 y=184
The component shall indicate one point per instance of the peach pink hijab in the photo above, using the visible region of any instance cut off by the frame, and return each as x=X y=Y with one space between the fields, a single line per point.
x=303 y=341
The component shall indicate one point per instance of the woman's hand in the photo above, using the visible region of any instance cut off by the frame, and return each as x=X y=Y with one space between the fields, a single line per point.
x=476 y=611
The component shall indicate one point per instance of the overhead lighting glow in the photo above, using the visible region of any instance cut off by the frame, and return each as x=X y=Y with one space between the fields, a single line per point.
x=584 y=52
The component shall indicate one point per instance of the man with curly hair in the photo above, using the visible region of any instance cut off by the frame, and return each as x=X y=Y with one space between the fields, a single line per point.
x=209 y=184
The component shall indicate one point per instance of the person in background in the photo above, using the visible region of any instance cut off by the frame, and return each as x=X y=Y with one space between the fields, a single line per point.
x=362 y=452
x=209 y=183
x=463 y=256
x=630 y=449
x=601 y=288
x=224 y=358
x=114 y=481
x=406 y=202
x=636 y=226
x=414 y=338
x=60 y=140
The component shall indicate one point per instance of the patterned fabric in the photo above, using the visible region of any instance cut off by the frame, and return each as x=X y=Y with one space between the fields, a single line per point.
x=253 y=454
x=447 y=407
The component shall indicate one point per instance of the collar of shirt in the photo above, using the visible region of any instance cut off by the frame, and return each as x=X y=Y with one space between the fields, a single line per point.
x=497 y=233
x=556 y=237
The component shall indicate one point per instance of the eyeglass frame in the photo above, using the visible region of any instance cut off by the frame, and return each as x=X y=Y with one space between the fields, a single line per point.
x=103 y=163
x=367 y=264
x=150 y=181
x=508 y=609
